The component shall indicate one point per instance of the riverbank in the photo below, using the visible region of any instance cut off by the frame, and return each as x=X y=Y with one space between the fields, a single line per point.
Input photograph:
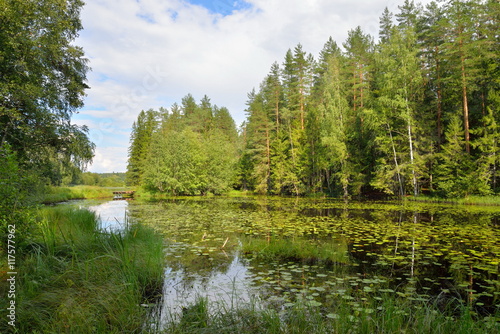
x=469 y=200
x=51 y=195
x=73 y=278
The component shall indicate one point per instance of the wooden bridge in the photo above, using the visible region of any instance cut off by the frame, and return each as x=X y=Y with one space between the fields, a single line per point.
x=123 y=194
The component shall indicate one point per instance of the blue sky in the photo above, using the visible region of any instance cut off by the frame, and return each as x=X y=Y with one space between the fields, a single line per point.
x=221 y=6
x=151 y=53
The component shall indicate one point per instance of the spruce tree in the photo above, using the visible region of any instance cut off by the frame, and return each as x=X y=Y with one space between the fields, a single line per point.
x=140 y=141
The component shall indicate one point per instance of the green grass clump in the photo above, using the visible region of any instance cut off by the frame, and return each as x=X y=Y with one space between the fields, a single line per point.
x=73 y=278
x=296 y=249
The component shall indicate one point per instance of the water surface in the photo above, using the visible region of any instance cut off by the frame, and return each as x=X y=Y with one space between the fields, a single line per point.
x=420 y=252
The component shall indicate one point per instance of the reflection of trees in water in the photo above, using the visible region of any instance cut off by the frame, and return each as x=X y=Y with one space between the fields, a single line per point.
x=449 y=257
x=427 y=248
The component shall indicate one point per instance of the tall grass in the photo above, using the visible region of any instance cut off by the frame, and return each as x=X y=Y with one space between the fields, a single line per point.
x=390 y=315
x=51 y=194
x=469 y=200
x=73 y=278
x=299 y=249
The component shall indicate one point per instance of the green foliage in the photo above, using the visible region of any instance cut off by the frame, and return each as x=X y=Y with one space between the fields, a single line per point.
x=14 y=186
x=50 y=194
x=42 y=85
x=338 y=121
x=103 y=179
x=399 y=83
x=457 y=174
x=488 y=143
x=176 y=164
x=368 y=120
x=220 y=160
x=74 y=278
x=140 y=142
x=373 y=120
x=190 y=153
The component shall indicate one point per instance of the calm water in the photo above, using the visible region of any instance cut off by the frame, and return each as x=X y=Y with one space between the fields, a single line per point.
x=428 y=252
x=113 y=215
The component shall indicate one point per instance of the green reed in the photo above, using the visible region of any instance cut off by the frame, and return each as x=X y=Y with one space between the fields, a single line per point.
x=74 y=278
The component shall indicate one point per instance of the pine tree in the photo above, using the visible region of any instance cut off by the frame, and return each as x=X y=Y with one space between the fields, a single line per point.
x=408 y=15
x=431 y=37
x=224 y=122
x=189 y=105
x=461 y=47
x=488 y=144
x=258 y=142
x=359 y=48
x=272 y=91
x=386 y=26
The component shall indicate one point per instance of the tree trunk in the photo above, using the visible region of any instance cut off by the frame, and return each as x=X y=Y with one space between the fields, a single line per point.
x=354 y=96
x=439 y=102
x=465 y=103
x=361 y=86
x=277 y=110
x=268 y=153
x=415 y=188
x=410 y=142
x=401 y=189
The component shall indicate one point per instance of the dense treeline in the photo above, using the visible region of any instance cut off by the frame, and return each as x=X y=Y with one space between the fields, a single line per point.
x=416 y=112
x=187 y=150
x=102 y=179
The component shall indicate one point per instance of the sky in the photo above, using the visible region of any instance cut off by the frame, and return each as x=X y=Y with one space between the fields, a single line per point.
x=151 y=53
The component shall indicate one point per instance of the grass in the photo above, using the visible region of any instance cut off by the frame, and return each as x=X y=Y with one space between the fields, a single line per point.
x=391 y=315
x=60 y=194
x=296 y=249
x=72 y=278
x=469 y=200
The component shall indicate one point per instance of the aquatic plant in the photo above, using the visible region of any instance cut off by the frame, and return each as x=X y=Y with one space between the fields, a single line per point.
x=323 y=252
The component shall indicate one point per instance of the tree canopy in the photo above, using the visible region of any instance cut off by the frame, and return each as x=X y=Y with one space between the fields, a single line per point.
x=42 y=84
x=416 y=111
x=185 y=150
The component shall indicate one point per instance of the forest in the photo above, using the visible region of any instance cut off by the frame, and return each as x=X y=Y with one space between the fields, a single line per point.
x=416 y=112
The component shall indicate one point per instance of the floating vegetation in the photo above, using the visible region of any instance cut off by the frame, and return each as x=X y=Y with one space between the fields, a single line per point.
x=320 y=252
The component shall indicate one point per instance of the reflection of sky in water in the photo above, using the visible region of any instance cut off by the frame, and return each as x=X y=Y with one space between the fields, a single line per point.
x=229 y=288
x=223 y=290
x=112 y=214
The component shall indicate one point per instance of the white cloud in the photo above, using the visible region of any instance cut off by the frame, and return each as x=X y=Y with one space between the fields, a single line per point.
x=151 y=53
x=110 y=159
